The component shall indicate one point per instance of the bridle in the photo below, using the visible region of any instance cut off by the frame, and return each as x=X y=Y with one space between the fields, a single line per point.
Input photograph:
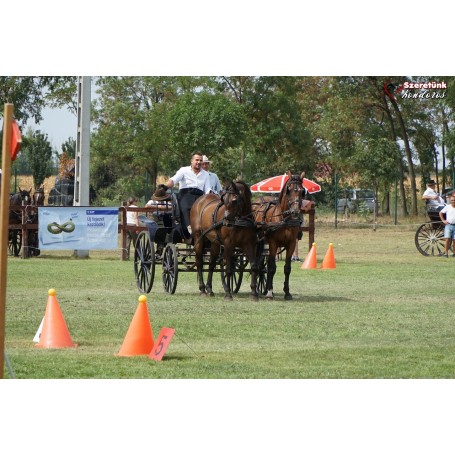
x=293 y=187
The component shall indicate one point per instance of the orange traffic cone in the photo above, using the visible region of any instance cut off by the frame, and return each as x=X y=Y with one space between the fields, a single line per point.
x=310 y=261
x=329 y=259
x=139 y=338
x=55 y=332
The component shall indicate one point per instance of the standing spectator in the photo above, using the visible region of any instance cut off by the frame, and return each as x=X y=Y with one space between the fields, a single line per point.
x=215 y=184
x=131 y=217
x=449 y=225
x=132 y=220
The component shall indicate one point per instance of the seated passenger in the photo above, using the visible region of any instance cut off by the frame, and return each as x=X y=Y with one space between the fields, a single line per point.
x=161 y=200
x=433 y=200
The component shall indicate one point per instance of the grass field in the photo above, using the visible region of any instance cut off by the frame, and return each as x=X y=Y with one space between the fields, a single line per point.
x=386 y=311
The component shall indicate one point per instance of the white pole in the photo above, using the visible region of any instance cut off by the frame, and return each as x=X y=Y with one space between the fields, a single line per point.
x=82 y=168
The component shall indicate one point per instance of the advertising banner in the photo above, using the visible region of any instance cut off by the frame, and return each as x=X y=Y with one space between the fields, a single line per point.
x=79 y=228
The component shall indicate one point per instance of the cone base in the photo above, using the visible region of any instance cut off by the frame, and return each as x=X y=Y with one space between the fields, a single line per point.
x=42 y=346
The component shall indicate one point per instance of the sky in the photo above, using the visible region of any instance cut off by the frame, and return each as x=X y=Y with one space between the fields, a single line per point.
x=59 y=124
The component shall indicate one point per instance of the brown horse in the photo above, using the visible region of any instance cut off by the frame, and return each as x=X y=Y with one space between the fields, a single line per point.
x=227 y=222
x=280 y=223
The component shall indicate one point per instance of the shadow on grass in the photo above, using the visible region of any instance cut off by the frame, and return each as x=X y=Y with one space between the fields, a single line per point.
x=323 y=298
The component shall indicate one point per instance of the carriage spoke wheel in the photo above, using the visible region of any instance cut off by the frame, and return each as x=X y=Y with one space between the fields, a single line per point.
x=429 y=239
x=237 y=275
x=170 y=268
x=14 y=242
x=262 y=275
x=144 y=262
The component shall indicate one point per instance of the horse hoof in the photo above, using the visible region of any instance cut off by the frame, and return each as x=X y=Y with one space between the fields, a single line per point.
x=228 y=297
x=288 y=297
x=254 y=298
x=203 y=294
x=212 y=294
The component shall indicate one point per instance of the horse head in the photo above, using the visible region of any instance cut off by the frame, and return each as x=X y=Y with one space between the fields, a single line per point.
x=22 y=197
x=38 y=197
x=25 y=196
x=292 y=194
x=237 y=199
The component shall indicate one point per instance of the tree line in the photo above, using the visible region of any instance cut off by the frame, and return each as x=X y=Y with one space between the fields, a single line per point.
x=370 y=131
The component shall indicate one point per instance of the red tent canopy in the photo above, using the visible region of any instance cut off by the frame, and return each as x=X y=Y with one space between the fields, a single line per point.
x=275 y=184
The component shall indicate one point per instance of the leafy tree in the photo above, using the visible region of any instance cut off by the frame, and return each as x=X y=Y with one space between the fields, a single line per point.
x=130 y=118
x=276 y=133
x=69 y=147
x=28 y=94
x=38 y=152
x=62 y=92
x=205 y=122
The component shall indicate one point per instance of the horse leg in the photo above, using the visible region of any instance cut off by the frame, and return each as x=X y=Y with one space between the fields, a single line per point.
x=198 y=251
x=214 y=252
x=271 y=269
x=228 y=267
x=287 y=272
x=252 y=257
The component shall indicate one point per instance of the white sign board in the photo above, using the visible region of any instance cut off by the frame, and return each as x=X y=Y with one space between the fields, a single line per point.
x=80 y=228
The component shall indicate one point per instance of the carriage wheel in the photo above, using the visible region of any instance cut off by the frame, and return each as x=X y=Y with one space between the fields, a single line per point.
x=170 y=268
x=237 y=276
x=14 y=242
x=262 y=276
x=429 y=239
x=144 y=262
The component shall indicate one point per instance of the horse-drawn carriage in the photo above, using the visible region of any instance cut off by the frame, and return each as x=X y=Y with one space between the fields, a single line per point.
x=164 y=243
x=231 y=234
x=429 y=237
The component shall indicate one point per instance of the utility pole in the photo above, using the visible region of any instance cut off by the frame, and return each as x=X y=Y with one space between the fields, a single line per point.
x=82 y=168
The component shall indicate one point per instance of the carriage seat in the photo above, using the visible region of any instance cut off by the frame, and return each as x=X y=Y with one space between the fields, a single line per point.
x=433 y=211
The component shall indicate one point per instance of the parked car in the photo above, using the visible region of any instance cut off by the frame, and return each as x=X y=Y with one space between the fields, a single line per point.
x=355 y=200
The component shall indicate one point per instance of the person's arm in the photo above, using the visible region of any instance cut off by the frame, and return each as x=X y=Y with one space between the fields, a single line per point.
x=207 y=186
x=427 y=196
x=218 y=186
x=441 y=215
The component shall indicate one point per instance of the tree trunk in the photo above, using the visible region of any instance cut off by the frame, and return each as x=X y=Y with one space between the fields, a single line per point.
x=400 y=170
x=407 y=148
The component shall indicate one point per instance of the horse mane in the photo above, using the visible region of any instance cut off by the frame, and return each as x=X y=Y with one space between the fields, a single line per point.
x=247 y=196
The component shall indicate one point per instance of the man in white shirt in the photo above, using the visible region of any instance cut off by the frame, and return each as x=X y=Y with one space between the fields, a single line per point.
x=193 y=182
x=449 y=224
x=215 y=184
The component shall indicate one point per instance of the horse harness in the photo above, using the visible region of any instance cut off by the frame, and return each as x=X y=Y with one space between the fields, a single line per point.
x=227 y=221
x=287 y=217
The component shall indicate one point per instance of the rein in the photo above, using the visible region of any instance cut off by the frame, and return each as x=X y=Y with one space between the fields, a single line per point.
x=244 y=221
